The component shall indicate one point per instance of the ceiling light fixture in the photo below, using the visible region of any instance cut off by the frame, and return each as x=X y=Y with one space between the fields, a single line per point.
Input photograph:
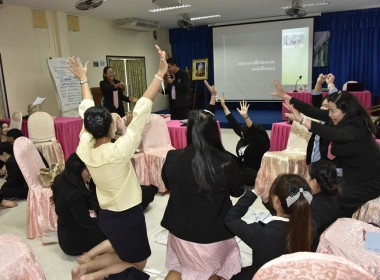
x=206 y=17
x=307 y=5
x=168 y=8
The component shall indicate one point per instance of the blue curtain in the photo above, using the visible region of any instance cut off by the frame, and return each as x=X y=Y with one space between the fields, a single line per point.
x=193 y=44
x=354 y=52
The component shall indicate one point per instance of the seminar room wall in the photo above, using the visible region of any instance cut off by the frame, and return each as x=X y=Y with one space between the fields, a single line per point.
x=24 y=50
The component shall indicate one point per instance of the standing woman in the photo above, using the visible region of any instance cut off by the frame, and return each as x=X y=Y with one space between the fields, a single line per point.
x=351 y=132
x=201 y=179
x=112 y=90
x=288 y=231
x=121 y=217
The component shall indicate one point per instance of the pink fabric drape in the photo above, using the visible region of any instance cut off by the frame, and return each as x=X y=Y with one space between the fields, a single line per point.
x=41 y=214
x=345 y=238
x=17 y=260
x=369 y=212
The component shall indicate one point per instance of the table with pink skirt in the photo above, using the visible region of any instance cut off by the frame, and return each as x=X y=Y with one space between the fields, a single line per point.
x=66 y=131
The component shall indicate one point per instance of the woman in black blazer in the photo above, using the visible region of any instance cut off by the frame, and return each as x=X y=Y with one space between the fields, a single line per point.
x=287 y=232
x=108 y=86
x=201 y=178
x=76 y=206
x=351 y=132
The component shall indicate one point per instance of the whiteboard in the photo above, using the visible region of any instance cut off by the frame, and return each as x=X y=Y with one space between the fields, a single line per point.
x=67 y=86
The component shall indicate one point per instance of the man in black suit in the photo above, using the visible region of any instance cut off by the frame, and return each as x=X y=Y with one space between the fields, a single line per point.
x=178 y=89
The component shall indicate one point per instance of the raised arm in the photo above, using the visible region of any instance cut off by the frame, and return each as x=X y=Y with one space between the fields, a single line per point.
x=80 y=72
x=280 y=92
x=243 y=111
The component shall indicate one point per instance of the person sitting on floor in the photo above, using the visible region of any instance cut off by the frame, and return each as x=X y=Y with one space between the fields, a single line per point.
x=76 y=206
x=254 y=140
x=15 y=185
x=323 y=180
x=289 y=231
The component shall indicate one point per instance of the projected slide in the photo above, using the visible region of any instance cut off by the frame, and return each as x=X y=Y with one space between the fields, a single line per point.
x=248 y=57
x=295 y=52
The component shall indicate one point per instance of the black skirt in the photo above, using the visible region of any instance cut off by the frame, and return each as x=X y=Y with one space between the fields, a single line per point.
x=126 y=230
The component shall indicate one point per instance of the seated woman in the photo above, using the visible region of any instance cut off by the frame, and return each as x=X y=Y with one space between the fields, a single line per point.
x=76 y=206
x=15 y=185
x=201 y=179
x=254 y=140
x=286 y=232
x=3 y=131
x=323 y=180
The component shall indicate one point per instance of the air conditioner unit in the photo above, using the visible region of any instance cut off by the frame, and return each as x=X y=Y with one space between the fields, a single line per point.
x=137 y=24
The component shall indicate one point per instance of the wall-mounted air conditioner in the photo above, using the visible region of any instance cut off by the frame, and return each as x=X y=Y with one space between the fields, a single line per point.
x=137 y=24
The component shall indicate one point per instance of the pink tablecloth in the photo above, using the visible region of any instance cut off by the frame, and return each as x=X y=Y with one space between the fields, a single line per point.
x=66 y=131
x=345 y=238
x=279 y=136
x=178 y=133
x=363 y=96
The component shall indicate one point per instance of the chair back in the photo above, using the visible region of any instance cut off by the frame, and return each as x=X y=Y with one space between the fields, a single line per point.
x=41 y=127
x=29 y=161
x=155 y=135
x=17 y=259
x=305 y=266
x=40 y=211
x=298 y=138
x=16 y=120
x=115 y=118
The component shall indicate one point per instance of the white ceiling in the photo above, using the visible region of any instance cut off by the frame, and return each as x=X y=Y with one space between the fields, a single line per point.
x=230 y=10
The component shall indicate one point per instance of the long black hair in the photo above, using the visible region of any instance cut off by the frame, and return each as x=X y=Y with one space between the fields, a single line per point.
x=209 y=158
x=105 y=69
x=352 y=107
x=72 y=175
x=324 y=172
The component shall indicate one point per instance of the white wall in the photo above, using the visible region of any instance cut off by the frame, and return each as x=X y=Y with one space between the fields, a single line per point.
x=24 y=50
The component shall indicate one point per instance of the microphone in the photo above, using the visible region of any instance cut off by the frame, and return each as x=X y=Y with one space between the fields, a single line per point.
x=295 y=87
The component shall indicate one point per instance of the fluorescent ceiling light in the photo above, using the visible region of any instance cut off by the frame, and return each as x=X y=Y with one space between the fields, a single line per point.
x=205 y=17
x=308 y=5
x=168 y=8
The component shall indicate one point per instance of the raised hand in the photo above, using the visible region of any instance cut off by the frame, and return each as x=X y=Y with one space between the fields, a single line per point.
x=223 y=101
x=133 y=99
x=76 y=68
x=321 y=78
x=163 y=67
x=280 y=92
x=243 y=109
x=211 y=88
x=295 y=113
x=330 y=79
x=260 y=186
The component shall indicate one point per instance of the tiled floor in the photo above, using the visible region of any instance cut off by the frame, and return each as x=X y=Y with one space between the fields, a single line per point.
x=57 y=265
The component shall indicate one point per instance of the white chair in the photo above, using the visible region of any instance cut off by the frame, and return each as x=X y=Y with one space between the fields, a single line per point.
x=40 y=210
x=17 y=260
x=16 y=120
x=291 y=160
x=42 y=134
x=310 y=266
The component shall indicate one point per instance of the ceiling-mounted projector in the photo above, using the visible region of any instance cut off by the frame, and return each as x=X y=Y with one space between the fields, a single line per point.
x=296 y=10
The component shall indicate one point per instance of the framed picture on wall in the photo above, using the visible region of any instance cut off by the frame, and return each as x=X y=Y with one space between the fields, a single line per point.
x=200 y=69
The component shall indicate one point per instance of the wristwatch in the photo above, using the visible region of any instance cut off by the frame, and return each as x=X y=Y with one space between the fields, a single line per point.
x=82 y=82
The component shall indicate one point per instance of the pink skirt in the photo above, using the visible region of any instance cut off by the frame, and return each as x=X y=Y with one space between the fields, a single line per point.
x=201 y=261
